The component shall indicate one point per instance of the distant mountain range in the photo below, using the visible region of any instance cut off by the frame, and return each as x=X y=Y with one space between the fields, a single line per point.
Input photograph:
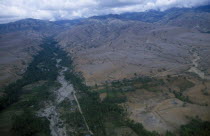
x=107 y=32
x=151 y=16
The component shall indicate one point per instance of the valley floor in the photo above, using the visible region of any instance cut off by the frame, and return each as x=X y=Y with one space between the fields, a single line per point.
x=53 y=99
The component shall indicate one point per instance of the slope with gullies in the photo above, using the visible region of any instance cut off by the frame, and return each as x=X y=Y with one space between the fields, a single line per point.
x=19 y=42
x=16 y=52
x=155 y=64
x=112 y=49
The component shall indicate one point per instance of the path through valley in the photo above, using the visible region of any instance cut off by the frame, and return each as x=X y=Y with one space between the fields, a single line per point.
x=66 y=91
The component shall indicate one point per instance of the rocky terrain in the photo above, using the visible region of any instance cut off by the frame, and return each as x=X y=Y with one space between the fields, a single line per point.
x=159 y=109
x=171 y=47
x=113 y=49
x=19 y=41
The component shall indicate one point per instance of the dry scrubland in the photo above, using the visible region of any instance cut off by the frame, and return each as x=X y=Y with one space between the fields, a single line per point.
x=114 y=49
x=16 y=51
x=159 y=109
x=115 y=56
x=161 y=104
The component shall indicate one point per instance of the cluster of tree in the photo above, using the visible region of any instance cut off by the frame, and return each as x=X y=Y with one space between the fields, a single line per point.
x=74 y=120
x=39 y=94
x=180 y=96
x=139 y=129
x=127 y=82
x=97 y=112
x=119 y=99
x=196 y=127
x=28 y=124
x=42 y=67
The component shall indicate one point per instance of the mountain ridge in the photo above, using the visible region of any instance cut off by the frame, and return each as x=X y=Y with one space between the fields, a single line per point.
x=151 y=16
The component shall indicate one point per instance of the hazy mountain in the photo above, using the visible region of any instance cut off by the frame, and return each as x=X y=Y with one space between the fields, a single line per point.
x=154 y=15
x=42 y=26
x=187 y=17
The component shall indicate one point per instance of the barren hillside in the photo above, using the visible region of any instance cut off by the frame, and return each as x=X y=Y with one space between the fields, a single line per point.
x=16 y=51
x=113 y=49
x=145 y=73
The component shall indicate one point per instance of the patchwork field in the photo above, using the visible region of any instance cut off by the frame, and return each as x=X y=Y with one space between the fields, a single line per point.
x=162 y=104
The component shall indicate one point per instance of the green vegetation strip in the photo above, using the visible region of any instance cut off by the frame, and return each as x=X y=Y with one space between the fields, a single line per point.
x=105 y=118
x=100 y=113
x=23 y=102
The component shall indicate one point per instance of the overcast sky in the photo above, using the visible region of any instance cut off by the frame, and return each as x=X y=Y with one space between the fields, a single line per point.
x=11 y=10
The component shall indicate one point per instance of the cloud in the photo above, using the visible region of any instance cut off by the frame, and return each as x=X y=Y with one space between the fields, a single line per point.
x=69 y=9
